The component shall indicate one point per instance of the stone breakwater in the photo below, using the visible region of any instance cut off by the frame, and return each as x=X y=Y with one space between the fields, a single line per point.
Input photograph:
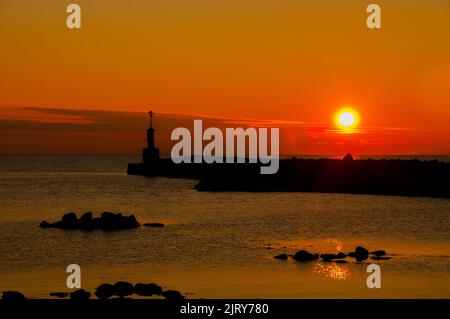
x=359 y=254
x=106 y=221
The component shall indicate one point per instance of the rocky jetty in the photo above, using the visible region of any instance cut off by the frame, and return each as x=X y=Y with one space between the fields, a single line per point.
x=351 y=176
x=359 y=254
x=107 y=221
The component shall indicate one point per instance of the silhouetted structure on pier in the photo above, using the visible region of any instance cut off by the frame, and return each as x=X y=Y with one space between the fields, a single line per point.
x=150 y=153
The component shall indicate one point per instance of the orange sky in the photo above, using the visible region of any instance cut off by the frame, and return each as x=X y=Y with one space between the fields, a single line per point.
x=295 y=61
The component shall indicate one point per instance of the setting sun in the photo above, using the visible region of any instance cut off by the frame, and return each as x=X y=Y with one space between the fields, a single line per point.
x=347 y=119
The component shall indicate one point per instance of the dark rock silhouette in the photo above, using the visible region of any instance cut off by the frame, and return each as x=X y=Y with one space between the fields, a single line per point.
x=348 y=157
x=303 y=255
x=80 y=295
x=59 y=294
x=328 y=257
x=378 y=253
x=153 y=225
x=122 y=289
x=107 y=221
x=104 y=291
x=172 y=295
x=281 y=257
x=117 y=221
x=13 y=297
x=44 y=224
x=340 y=261
x=69 y=221
x=85 y=221
x=361 y=253
x=147 y=290
x=341 y=255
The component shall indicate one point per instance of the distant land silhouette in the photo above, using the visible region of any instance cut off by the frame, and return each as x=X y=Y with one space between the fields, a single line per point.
x=429 y=178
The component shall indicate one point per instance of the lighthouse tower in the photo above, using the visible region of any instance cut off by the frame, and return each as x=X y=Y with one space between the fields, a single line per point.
x=150 y=153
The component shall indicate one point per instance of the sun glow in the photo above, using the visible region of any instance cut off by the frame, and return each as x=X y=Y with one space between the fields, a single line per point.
x=347 y=119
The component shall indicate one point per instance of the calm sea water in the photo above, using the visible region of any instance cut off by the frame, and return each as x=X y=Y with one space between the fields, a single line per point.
x=214 y=244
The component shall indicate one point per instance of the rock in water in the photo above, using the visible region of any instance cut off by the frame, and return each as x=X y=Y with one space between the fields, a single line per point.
x=110 y=220
x=130 y=222
x=147 y=290
x=97 y=223
x=85 y=221
x=59 y=294
x=327 y=257
x=117 y=221
x=107 y=221
x=44 y=224
x=122 y=289
x=13 y=297
x=172 y=295
x=69 y=221
x=80 y=295
x=378 y=253
x=361 y=253
x=303 y=255
x=57 y=224
x=341 y=255
x=153 y=225
x=104 y=291
x=281 y=257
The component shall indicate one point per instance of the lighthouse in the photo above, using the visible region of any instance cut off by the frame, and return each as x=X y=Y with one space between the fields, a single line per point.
x=150 y=153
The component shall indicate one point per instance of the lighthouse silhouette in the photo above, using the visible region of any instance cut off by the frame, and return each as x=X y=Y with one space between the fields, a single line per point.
x=150 y=153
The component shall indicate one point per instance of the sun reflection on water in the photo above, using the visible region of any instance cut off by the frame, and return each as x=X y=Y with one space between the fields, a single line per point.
x=333 y=271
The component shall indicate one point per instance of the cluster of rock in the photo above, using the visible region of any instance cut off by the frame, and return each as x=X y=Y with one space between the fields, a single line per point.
x=123 y=289
x=120 y=289
x=360 y=254
x=13 y=297
x=107 y=221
